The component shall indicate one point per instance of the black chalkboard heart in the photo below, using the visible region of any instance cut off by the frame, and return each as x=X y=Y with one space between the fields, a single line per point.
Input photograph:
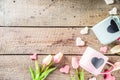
x=112 y=28
x=97 y=62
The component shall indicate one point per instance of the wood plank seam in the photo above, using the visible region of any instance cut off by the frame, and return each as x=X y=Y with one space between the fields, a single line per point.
x=53 y=54
x=46 y=26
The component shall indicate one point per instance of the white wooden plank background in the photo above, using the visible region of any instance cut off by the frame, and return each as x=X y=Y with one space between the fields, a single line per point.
x=53 y=12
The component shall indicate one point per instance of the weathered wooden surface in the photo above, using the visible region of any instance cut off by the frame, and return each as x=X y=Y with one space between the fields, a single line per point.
x=53 y=12
x=16 y=68
x=44 y=40
x=17 y=43
x=69 y=15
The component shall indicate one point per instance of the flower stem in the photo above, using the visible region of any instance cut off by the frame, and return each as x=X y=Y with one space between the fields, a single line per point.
x=77 y=73
x=82 y=74
x=43 y=67
x=37 y=70
x=37 y=67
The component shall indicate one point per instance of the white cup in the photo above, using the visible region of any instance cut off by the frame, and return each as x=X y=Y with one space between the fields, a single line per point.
x=108 y=30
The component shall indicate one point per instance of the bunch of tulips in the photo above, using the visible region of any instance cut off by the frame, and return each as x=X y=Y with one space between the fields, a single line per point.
x=42 y=71
x=48 y=66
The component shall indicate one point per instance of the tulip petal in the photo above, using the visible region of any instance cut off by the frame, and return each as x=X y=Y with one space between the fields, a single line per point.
x=47 y=60
x=75 y=62
x=115 y=49
x=57 y=58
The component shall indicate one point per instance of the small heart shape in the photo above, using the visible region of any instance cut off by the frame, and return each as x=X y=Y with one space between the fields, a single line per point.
x=84 y=31
x=113 y=11
x=65 y=69
x=80 y=42
x=34 y=56
x=97 y=62
x=109 y=2
x=113 y=27
x=104 y=49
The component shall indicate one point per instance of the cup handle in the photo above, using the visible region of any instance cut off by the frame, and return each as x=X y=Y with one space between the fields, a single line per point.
x=109 y=70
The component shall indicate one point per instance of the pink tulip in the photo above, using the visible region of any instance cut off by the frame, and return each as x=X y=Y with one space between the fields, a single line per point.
x=34 y=56
x=57 y=58
x=47 y=60
x=75 y=62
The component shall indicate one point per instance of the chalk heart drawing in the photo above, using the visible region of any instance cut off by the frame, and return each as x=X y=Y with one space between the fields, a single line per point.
x=97 y=62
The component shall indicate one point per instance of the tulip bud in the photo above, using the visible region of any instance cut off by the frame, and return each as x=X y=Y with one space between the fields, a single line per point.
x=47 y=60
x=115 y=49
x=75 y=62
x=58 y=57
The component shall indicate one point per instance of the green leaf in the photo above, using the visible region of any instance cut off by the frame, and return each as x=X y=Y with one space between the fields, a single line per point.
x=32 y=73
x=37 y=76
x=42 y=68
x=77 y=74
x=46 y=73
x=82 y=75
x=49 y=66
